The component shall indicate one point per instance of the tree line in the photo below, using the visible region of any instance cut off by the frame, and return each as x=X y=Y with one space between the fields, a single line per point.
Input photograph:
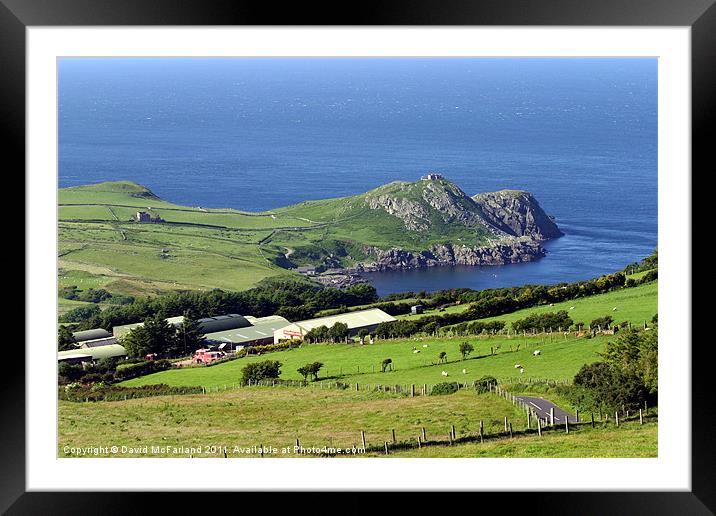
x=293 y=299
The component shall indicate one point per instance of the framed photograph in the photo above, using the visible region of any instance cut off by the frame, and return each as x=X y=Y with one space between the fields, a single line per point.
x=416 y=250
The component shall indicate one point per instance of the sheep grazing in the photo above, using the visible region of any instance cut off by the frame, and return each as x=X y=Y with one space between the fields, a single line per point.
x=464 y=371
x=416 y=351
x=536 y=352
x=571 y=308
x=614 y=309
x=522 y=370
x=444 y=373
x=517 y=366
x=425 y=345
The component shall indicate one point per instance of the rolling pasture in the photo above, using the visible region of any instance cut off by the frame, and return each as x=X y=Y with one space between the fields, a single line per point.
x=354 y=363
x=635 y=304
x=193 y=248
x=277 y=416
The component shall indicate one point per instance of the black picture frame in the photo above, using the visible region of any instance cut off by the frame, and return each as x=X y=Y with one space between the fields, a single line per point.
x=700 y=15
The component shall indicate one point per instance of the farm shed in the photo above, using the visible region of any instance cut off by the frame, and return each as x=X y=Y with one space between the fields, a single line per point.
x=91 y=354
x=97 y=333
x=260 y=332
x=108 y=341
x=356 y=321
x=222 y=323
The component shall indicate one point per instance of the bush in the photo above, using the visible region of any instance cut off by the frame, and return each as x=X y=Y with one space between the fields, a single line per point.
x=102 y=392
x=261 y=371
x=127 y=371
x=601 y=322
x=484 y=384
x=545 y=321
x=613 y=388
x=69 y=372
x=80 y=314
x=443 y=388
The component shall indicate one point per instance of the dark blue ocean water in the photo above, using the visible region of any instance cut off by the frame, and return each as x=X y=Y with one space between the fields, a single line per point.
x=257 y=134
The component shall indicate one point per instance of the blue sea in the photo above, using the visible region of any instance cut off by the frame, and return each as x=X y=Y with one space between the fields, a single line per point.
x=260 y=133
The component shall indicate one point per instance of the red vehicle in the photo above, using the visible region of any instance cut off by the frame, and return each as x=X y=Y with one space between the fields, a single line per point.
x=207 y=356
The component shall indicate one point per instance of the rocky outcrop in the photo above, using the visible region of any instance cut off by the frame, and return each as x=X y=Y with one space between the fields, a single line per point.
x=517 y=213
x=453 y=205
x=413 y=214
x=431 y=206
x=521 y=250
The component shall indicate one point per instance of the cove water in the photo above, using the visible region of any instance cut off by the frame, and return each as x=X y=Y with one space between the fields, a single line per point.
x=261 y=133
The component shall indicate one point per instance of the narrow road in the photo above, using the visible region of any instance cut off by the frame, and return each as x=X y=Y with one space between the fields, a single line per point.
x=541 y=407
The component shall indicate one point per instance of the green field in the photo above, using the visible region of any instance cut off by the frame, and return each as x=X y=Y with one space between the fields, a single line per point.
x=560 y=359
x=629 y=440
x=194 y=248
x=634 y=304
x=334 y=418
x=277 y=417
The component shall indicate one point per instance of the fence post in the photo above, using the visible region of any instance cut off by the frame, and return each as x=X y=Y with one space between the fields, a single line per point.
x=529 y=420
x=510 y=430
x=566 y=424
x=551 y=416
x=425 y=437
x=539 y=428
x=420 y=444
x=298 y=445
x=505 y=423
x=393 y=432
x=576 y=417
x=641 y=418
x=481 y=430
x=616 y=417
x=362 y=438
x=386 y=447
x=592 y=419
x=412 y=390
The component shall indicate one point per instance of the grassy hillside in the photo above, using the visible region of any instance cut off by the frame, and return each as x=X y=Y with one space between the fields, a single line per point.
x=360 y=219
x=195 y=248
x=353 y=363
x=277 y=417
x=204 y=248
x=629 y=440
x=237 y=419
x=635 y=304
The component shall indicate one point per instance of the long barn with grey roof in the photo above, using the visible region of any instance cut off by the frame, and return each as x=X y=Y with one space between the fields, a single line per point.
x=356 y=321
x=260 y=331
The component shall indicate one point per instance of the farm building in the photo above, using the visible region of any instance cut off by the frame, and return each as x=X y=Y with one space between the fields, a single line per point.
x=356 y=321
x=222 y=323
x=97 y=333
x=93 y=343
x=260 y=332
x=91 y=354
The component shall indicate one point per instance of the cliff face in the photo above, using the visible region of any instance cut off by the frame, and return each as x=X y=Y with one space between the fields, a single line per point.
x=517 y=213
x=520 y=250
